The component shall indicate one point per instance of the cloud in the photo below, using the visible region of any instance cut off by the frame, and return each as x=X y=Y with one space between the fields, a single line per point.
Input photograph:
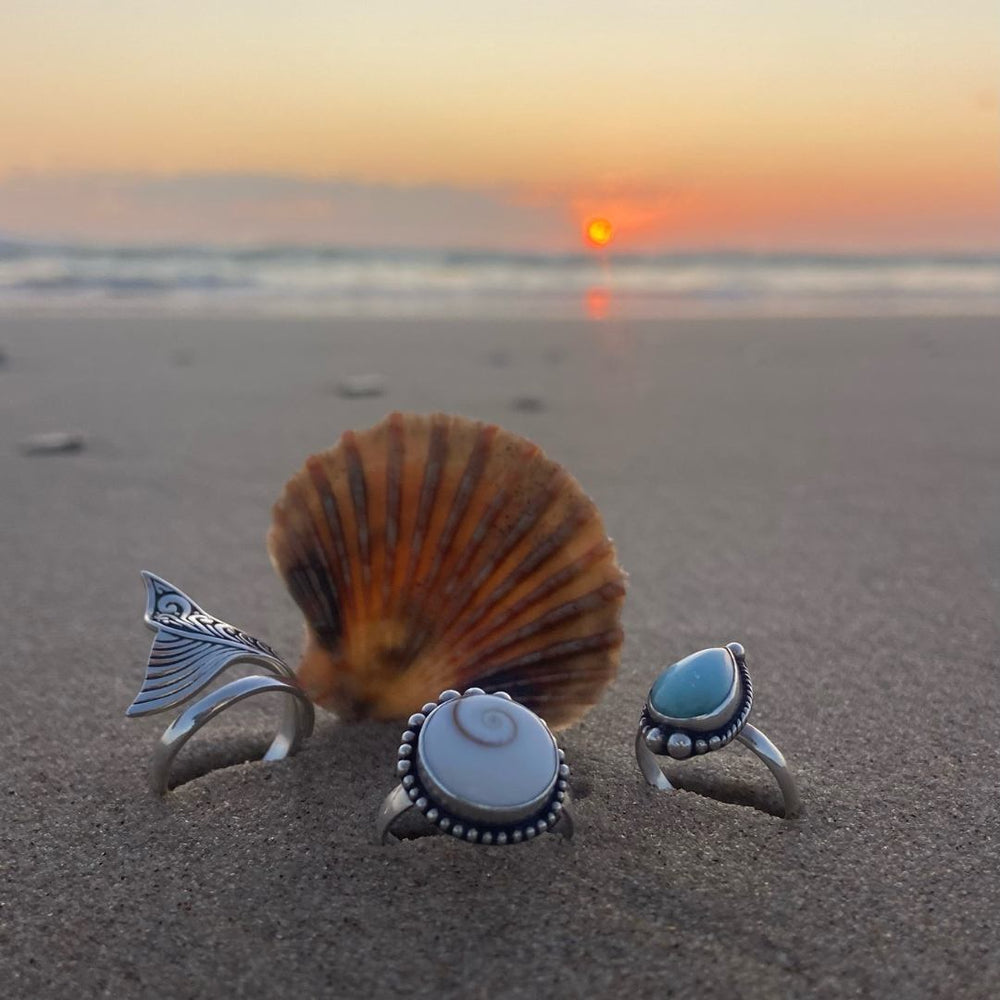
x=262 y=208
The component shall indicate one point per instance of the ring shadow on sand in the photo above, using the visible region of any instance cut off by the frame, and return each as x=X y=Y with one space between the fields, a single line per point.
x=352 y=745
x=755 y=789
x=214 y=753
x=356 y=745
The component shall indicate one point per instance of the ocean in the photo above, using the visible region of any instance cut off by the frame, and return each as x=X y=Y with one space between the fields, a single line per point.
x=334 y=281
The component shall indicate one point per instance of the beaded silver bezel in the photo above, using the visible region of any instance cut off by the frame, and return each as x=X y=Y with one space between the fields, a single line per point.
x=674 y=739
x=437 y=813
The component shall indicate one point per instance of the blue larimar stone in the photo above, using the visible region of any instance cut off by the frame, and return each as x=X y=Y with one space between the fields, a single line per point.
x=696 y=685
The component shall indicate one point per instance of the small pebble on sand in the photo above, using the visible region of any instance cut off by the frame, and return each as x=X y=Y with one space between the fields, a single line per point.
x=360 y=386
x=528 y=404
x=182 y=358
x=498 y=358
x=52 y=443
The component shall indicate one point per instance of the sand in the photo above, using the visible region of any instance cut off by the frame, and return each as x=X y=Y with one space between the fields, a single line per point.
x=825 y=491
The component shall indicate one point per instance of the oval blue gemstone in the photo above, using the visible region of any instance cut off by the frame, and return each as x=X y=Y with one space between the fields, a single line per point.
x=696 y=685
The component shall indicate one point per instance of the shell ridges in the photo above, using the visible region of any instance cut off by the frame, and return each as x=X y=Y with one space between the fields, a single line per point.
x=435 y=552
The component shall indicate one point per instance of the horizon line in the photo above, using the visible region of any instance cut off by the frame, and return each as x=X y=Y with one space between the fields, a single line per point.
x=223 y=245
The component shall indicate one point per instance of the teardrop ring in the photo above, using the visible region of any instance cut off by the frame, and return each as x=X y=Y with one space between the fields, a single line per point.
x=701 y=704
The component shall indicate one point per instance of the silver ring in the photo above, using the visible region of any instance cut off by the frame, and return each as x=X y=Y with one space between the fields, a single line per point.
x=191 y=649
x=701 y=704
x=481 y=767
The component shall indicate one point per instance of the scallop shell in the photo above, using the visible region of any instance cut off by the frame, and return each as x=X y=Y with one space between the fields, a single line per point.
x=436 y=552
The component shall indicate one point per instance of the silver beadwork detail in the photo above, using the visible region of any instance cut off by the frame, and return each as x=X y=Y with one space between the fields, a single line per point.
x=416 y=790
x=678 y=745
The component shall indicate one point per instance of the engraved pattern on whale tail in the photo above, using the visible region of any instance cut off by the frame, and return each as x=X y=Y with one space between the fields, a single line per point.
x=433 y=552
x=191 y=648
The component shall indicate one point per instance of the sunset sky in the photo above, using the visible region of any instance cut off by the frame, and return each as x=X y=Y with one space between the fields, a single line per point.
x=766 y=125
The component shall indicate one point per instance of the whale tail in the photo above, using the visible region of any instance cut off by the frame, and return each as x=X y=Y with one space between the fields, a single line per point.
x=191 y=649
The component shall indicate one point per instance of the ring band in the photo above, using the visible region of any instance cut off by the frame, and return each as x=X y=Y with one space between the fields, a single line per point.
x=701 y=704
x=295 y=725
x=481 y=767
x=191 y=649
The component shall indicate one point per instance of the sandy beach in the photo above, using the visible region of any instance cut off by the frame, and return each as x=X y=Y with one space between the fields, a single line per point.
x=825 y=491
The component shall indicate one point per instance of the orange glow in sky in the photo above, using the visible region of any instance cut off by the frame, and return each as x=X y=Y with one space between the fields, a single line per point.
x=599 y=232
x=763 y=126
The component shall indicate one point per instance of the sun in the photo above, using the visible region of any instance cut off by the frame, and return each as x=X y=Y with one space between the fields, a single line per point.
x=599 y=232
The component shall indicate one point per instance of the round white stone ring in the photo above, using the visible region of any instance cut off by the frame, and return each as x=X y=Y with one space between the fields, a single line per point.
x=482 y=768
x=701 y=704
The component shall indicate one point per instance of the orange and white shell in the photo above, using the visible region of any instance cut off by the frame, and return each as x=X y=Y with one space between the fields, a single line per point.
x=435 y=552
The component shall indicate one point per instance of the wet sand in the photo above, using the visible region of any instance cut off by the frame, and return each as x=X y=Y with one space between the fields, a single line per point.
x=825 y=491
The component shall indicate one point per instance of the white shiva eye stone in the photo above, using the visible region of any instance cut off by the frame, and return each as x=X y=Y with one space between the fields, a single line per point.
x=487 y=759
